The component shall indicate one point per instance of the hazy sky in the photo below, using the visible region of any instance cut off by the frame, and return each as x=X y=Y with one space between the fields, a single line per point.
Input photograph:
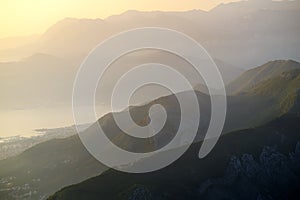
x=25 y=17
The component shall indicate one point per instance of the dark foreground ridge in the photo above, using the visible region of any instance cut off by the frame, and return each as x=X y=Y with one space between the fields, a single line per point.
x=258 y=163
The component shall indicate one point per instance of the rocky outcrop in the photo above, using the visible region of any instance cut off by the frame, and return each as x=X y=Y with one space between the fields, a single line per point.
x=272 y=175
x=141 y=193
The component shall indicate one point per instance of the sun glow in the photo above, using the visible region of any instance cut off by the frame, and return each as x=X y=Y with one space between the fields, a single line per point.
x=25 y=17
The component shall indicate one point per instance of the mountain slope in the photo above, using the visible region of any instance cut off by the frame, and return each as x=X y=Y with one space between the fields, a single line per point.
x=279 y=81
x=66 y=161
x=13 y=146
x=256 y=75
x=46 y=167
x=243 y=111
x=243 y=33
x=262 y=34
x=38 y=80
x=66 y=157
x=192 y=178
x=45 y=81
x=283 y=88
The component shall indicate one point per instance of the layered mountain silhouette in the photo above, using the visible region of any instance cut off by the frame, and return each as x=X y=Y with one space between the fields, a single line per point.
x=244 y=33
x=39 y=76
x=257 y=163
x=258 y=154
x=49 y=166
x=38 y=80
x=43 y=80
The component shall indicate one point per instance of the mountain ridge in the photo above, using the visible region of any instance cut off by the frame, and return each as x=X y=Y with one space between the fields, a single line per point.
x=261 y=73
x=192 y=172
x=243 y=112
x=245 y=30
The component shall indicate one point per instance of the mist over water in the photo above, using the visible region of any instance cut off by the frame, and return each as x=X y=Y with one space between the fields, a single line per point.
x=25 y=122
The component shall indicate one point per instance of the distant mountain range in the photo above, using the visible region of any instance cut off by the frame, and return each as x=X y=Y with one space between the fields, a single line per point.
x=67 y=162
x=237 y=35
x=39 y=75
x=37 y=81
x=258 y=147
x=45 y=81
x=244 y=34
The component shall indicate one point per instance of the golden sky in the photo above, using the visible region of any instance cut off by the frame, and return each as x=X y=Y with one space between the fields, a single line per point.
x=26 y=17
